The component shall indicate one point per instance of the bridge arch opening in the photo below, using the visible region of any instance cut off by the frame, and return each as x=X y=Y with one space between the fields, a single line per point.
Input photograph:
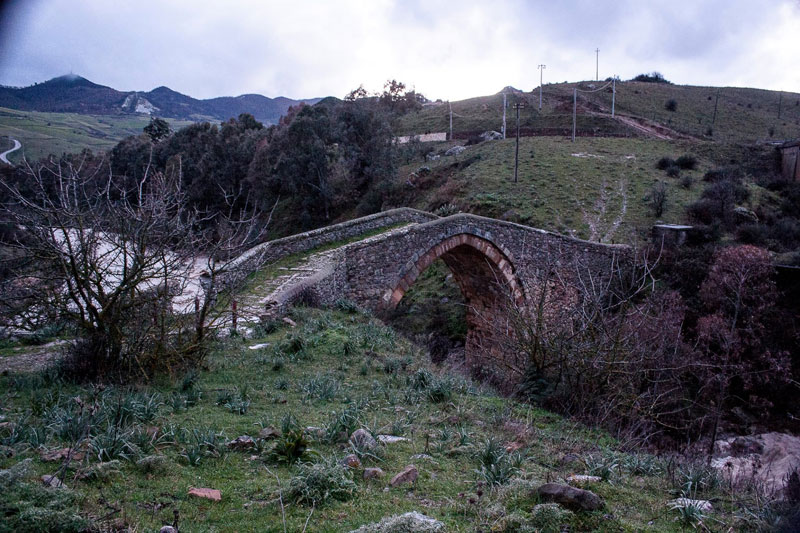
x=485 y=274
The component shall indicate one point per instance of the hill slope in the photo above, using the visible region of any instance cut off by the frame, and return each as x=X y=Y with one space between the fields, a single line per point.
x=74 y=94
x=743 y=114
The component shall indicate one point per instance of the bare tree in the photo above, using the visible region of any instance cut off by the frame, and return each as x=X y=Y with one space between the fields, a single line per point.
x=118 y=261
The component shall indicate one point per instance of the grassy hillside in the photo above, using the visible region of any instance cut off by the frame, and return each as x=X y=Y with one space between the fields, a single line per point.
x=595 y=188
x=42 y=134
x=480 y=457
x=743 y=115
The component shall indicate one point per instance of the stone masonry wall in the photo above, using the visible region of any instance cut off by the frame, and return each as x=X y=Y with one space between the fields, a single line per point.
x=264 y=253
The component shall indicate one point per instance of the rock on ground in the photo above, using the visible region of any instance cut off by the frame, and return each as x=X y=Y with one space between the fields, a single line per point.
x=208 y=494
x=363 y=440
x=767 y=458
x=412 y=522
x=408 y=475
x=455 y=150
x=703 y=505
x=570 y=497
x=373 y=473
x=242 y=443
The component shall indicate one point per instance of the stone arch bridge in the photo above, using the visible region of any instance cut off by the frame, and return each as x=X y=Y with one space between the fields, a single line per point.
x=495 y=263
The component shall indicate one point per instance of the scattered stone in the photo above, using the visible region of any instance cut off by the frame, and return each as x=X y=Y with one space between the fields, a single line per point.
x=242 y=443
x=289 y=321
x=491 y=135
x=766 y=459
x=744 y=214
x=703 y=505
x=373 y=473
x=422 y=456
x=570 y=497
x=52 y=481
x=60 y=454
x=259 y=346
x=208 y=494
x=351 y=461
x=363 y=440
x=413 y=522
x=391 y=439
x=167 y=529
x=313 y=431
x=569 y=458
x=408 y=475
x=432 y=157
x=455 y=150
x=269 y=433
x=581 y=479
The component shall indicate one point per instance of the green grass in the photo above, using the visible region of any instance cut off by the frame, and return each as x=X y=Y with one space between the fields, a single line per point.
x=743 y=115
x=42 y=134
x=351 y=350
x=581 y=194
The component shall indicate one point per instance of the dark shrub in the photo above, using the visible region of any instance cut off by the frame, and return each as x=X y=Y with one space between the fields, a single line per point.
x=686 y=162
x=671 y=105
x=786 y=231
x=753 y=233
x=709 y=131
x=664 y=163
x=674 y=171
x=687 y=182
x=652 y=77
x=727 y=191
x=723 y=173
x=704 y=212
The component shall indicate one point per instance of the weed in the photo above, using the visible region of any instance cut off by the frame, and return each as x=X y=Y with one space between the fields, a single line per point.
x=113 y=443
x=290 y=447
x=342 y=424
x=347 y=306
x=315 y=484
x=320 y=387
x=604 y=466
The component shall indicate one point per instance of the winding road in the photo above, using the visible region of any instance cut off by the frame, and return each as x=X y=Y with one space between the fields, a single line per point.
x=3 y=156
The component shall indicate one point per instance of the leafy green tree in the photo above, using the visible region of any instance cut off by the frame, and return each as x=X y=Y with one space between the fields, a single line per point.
x=157 y=130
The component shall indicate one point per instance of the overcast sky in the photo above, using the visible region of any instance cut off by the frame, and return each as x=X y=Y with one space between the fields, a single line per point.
x=445 y=49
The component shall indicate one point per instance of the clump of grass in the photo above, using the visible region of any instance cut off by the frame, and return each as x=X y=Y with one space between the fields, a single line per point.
x=315 y=484
x=497 y=467
x=605 y=466
x=320 y=387
x=291 y=447
x=341 y=424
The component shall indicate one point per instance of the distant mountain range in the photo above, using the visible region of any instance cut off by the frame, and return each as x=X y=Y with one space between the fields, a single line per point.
x=74 y=94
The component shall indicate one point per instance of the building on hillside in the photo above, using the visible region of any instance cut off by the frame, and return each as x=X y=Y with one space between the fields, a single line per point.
x=790 y=159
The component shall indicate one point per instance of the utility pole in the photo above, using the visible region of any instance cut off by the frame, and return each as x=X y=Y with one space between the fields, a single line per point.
x=597 y=65
x=574 y=110
x=714 y=118
x=504 y=115
x=450 y=106
x=780 y=103
x=613 y=94
x=541 y=77
x=517 y=106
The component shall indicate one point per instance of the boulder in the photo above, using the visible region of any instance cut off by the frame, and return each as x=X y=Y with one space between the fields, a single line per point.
x=167 y=529
x=390 y=439
x=408 y=475
x=767 y=458
x=362 y=439
x=432 y=157
x=455 y=150
x=581 y=479
x=744 y=214
x=351 y=461
x=570 y=497
x=52 y=481
x=373 y=473
x=242 y=443
x=412 y=522
x=208 y=494
x=60 y=454
x=490 y=136
x=269 y=433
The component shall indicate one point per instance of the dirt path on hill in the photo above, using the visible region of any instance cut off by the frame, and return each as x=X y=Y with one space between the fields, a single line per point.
x=4 y=155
